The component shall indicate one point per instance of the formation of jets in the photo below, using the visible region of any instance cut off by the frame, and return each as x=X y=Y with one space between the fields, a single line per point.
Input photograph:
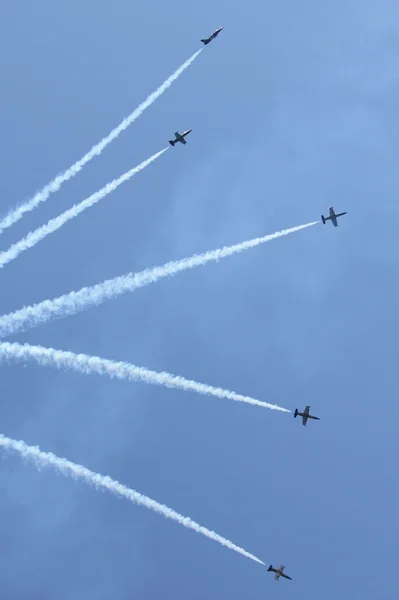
x=305 y=416
x=333 y=217
x=181 y=138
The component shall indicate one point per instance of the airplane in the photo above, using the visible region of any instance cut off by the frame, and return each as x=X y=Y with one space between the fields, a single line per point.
x=180 y=137
x=305 y=415
x=279 y=572
x=212 y=37
x=333 y=217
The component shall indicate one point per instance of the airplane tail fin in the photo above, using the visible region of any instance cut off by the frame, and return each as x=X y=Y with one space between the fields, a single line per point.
x=295 y=413
x=323 y=219
x=205 y=42
x=172 y=142
x=270 y=568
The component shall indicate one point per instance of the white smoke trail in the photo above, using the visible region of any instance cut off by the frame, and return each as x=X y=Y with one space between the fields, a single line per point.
x=70 y=469
x=36 y=236
x=89 y=365
x=69 y=304
x=17 y=214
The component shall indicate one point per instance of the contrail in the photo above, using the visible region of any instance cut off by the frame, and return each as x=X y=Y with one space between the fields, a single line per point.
x=70 y=469
x=17 y=214
x=36 y=236
x=89 y=365
x=69 y=304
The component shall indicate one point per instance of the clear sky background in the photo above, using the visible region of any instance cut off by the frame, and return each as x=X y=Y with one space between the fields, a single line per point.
x=294 y=107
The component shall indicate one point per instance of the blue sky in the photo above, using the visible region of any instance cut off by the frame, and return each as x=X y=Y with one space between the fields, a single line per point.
x=293 y=108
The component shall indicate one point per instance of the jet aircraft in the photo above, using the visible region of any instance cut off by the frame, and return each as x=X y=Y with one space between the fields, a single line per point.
x=212 y=37
x=180 y=137
x=333 y=217
x=305 y=415
x=279 y=572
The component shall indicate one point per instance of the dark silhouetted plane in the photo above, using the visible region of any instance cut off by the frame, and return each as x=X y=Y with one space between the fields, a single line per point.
x=180 y=137
x=305 y=415
x=212 y=37
x=333 y=217
x=279 y=572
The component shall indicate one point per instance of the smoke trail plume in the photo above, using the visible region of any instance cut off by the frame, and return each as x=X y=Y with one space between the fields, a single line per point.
x=70 y=469
x=89 y=365
x=36 y=236
x=74 y=302
x=17 y=214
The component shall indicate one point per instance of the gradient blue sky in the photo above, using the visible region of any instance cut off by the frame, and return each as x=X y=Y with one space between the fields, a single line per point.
x=293 y=108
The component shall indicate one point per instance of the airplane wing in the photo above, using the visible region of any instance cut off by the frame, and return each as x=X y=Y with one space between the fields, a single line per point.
x=282 y=568
x=277 y=576
x=307 y=409
x=177 y=134
x=182 y=140
x=333 y=217
x=304 y=419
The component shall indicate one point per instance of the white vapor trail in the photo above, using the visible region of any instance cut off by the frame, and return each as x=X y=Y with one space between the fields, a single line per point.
x=70 y=469
x=54 y=185
x=69 y=304
x=74 y=302
x=36 y=236
x=89 y=365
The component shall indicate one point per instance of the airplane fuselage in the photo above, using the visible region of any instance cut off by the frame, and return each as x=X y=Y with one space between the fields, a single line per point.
x=180 y=137
x=279 y=572
x=333 y=216
x=212 y=36
x=305 y=415
x=337 y=215
x=308 y=416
